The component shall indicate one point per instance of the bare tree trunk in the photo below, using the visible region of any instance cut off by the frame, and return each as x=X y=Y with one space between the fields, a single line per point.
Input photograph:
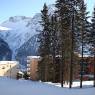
x=81 y=77
x=61 y=69
x=54 y=43
x=72 y=49
x=62 y=53
x=46 y=68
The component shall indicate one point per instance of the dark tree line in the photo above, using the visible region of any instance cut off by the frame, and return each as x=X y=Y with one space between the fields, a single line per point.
x=64 y=35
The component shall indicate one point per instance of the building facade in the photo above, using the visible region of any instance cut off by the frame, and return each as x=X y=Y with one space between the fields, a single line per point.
x=9 y=68
x=32 y=67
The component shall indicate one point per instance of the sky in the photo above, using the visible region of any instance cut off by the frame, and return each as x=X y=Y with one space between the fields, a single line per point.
x=28 y=8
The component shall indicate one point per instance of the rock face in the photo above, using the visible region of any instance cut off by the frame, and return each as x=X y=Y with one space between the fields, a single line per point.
x=5 y=52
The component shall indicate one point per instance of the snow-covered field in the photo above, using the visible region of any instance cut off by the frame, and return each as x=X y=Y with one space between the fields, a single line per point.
x=25 y=87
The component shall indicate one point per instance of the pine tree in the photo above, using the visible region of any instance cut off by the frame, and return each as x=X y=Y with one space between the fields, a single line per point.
x=44 y=40
x=72 y=23
x=64 y=34
x=83 y=25
x=72 y=4
x=74 y=32
x=92 y=40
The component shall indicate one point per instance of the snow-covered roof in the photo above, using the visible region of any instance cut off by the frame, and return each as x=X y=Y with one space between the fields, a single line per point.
x=85 y=55
x=30 y=57
x=9 y=62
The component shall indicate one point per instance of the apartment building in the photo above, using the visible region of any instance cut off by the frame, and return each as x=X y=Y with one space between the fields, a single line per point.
x=32 y=67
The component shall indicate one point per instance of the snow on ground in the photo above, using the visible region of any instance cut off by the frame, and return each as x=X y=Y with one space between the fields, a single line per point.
x=25 y=87
x=86 y=84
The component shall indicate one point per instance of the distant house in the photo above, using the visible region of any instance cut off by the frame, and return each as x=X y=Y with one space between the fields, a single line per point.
x=9 y=68
x=32 y=67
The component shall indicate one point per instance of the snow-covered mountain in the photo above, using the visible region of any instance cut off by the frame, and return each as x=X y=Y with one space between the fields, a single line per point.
x=22 y=29
x=22 y=33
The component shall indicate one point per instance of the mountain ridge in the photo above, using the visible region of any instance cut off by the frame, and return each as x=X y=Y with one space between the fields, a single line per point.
x=23 y=34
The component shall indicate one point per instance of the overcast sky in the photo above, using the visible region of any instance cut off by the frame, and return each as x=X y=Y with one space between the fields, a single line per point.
x=10 y=8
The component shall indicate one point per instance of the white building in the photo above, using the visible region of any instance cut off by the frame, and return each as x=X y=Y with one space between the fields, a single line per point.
x=9 y=68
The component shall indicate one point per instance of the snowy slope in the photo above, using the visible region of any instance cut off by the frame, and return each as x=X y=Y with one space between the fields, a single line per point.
x=25 y=87
x=4 y=28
